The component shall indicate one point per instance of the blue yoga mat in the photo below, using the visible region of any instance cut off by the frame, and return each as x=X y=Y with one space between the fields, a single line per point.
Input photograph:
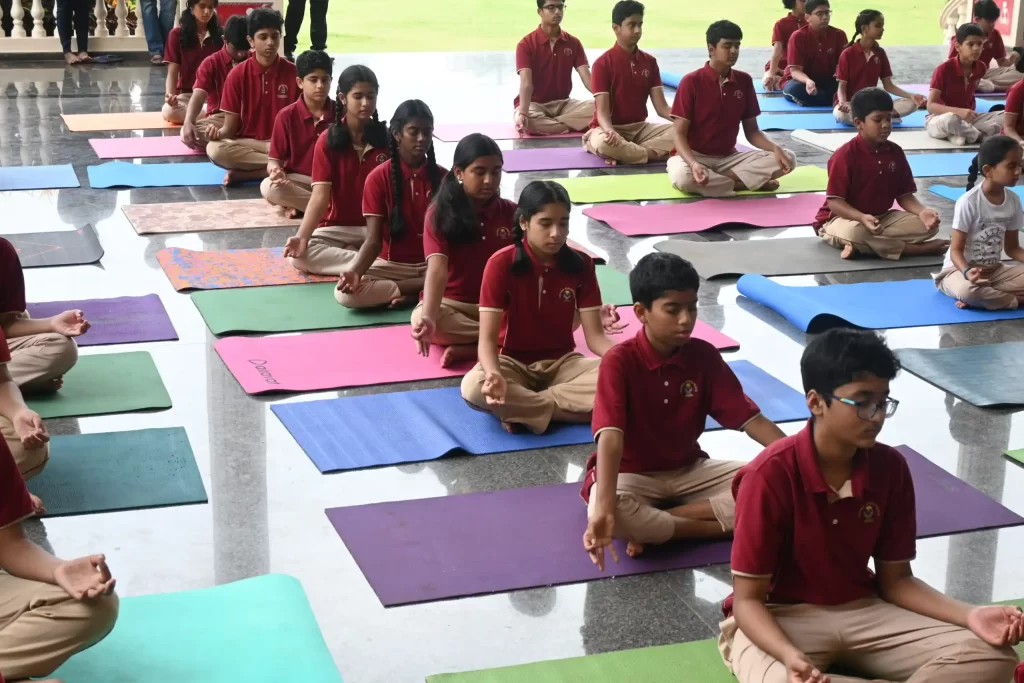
x=940 y=164
x=824 y=121
x=124 y=174
x=955 y=193
x=670 y=79
x=345 y=433
x=38 y=177
x=871 y=305
x=770 y=103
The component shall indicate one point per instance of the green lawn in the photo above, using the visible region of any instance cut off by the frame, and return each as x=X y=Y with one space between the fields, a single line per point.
x=473 y=25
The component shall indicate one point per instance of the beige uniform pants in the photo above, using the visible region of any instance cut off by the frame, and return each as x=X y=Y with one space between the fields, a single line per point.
x=534 y=390
x=328 y=250
x=637 y=139
x=293 y=195
x=898 y=229
x=41 y=626
x=876 y=639
x=379 y=286
x=201 y=125
x=900 y=108
x=754 y=169
x=240 y=154
x=559 y=116
x=1006 y=283
x=640 y=514
x=1002 y=77
x=457 y=322
x=944 y=126
x=176 y=114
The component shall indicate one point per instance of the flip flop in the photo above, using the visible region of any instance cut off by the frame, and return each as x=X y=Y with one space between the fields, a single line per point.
x=106 y=59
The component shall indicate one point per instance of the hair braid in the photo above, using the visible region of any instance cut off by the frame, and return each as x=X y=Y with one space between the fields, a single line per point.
x=397 y=190
x=433 y=172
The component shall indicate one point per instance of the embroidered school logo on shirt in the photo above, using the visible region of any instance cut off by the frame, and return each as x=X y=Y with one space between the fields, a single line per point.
x=567 y=52
x=688 y=389
x=892 y=167
x=504 y=233
x=381 y=158
x=738 y=95
x=282 y=91
x=646 y=73
x=567 y=294
x=868 y=513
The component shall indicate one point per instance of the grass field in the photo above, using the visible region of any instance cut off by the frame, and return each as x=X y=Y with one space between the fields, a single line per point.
x=475 y=25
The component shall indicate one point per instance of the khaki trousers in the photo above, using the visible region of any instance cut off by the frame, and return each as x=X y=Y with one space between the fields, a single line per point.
x=201 y=125
x=900 y=107
x=176 y=114
x=534 y=390
x=1002 y=77
x=293 y=195
x=876 y=639
x=240 y=154
x=639 y=513
x=559 y=116
x=458 y=322
x=899 y=228
x=41 y=626
x=637 y=139
x=1006 y=283
x=944 y=126
x=328 y=252
x=379 y=286
x=754 y=169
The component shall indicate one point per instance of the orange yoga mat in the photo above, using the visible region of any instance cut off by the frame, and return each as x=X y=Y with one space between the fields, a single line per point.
x=135 y=120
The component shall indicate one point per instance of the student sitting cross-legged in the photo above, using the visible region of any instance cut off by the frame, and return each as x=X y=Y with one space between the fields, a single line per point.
x=785 y=27
x=649 y=481
x=1004 y=73
x=711 y=104
x=199 y=36
x=865 y=177
x=25 y=440
x=813 y=56
x=951 y=114
x=811 y=511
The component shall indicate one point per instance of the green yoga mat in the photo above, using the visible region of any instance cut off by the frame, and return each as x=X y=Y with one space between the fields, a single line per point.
x=105 y=383
x=641 y=186
x=259 y=629
x=90 y=473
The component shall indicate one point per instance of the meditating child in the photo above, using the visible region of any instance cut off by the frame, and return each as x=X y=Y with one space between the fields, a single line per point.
x=710 y=105
x=811 y=511
x=209 y=84
x=649 y=481
x=545 y=60
x=862 y=63
x=775 y=69
x=333 y=227
x=296 y=130
x=253 y=95
x=197 y=37
x=1013 y=115
x=1005 y=73
x=951 y=114
x=624 y=77
x=987 y=222
x=865 y=177
x=813 y=55
x=389 y=267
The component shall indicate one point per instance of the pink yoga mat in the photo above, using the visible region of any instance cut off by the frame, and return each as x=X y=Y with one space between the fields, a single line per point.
x=453 y=132
x=139 y=148
x=671 y=219
x=355 y=358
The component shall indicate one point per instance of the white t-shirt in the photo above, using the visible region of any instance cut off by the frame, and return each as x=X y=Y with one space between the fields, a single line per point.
x=985 y=224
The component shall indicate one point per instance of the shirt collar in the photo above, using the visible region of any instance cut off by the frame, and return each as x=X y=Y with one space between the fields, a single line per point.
x=713 y=75
x=865 y=146
x=410 y=172
x=810 y=471
x=307 y=115
x=258 y=69
x=654 y=360
x=542 y=36
x=621 y=51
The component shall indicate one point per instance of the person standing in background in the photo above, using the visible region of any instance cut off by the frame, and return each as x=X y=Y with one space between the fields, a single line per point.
x=157 y=21
x=293 y=23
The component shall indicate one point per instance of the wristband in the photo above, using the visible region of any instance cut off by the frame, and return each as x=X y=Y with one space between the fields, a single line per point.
x=965 y=271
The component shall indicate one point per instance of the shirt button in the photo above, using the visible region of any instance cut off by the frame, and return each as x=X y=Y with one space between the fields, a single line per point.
x=666 y=400
x=544 y=291
x=484 y=237
x=835 y=521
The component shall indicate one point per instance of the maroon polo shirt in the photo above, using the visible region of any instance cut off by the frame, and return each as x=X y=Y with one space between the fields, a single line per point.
x=992 y=48
x=188 y=59
x=379 y=200
x=816 y=52
x=627 y=79
x=295 y=134
x=715 y=109
x=859 y=71
x=1015 y=104
x=550 y=66
x=346 y=172
x=210 y=78
x=784 y=28
x=12 y=280
x=956 y=87
x=256 y=95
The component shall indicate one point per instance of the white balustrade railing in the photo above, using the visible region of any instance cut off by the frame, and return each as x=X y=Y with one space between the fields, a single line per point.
x=101 y=41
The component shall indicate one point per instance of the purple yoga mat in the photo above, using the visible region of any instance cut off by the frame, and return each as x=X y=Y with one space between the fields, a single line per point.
x=556 y=159
x=671 y=219
x=125 y=320
x=456 y=546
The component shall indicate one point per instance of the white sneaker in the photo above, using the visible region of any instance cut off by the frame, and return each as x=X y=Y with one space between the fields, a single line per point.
x=985 y=85
x=958 y=140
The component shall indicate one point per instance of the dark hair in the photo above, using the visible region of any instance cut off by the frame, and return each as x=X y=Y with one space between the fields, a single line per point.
x=375 y=133
x=869 y=100
x=660 y=272
x=966 y=31
x=455 y=219
x=992 y=152
x=812 y=5
x=311 y=60
x=843 y=355
x=535 y=196
x=264 y=17
x=624 y=9
x=541 y=3
x=723 y=30
x=789 y=4
x=189 y=30
x=406 y=112
x=236 y=32
x=986 y=9
x=866 y=17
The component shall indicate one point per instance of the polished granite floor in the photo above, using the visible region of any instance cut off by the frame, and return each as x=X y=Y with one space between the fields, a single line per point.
x=266 y=510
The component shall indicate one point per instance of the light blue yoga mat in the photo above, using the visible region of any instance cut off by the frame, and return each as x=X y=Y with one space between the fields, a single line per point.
x=124 y=174
x=939 y=164
x=345 y=433
x=955 y=193
x=38 y=177
x=255 y=630
x=871 y=305
x=824 y=121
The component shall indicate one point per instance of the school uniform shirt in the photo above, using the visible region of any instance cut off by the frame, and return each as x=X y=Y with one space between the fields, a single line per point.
x=784 y=28
x=295 y=134
x=346 y=173
x=715 y=108
x=1015 y=105
x=210 y=78
x=869 y=178
x=817 y=53
x=379 y=200
x=550 y=66
x=813 y=542
x=956 y=86
x=628 y=79
x=466 y=261
x=985 y=225
x=661 y=404
x=859 y=72
x=188 y=59
x=992 y=48
x=12 y=280
x=257 y=95
x=15 y=504
x=537 y=308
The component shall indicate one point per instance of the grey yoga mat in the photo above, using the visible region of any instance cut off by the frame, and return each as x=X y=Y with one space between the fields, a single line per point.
x=985 y=375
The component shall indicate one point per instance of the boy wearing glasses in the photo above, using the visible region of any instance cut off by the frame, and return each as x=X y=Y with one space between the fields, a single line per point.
x=811 y=510
x=545 y=60
x=813 y=56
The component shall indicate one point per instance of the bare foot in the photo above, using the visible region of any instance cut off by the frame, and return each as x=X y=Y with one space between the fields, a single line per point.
x=634 y=549
x=292 y=213
x=961 y=304
x=84 y=57
x=513 y=427
x=71 y=58
x=848 y=252
x=48 y=387
x=231 y=178
x=770 y=186
x=404 y=301
x=453 y=355
x=37 y=505
x=610 y=162
x=929 y=247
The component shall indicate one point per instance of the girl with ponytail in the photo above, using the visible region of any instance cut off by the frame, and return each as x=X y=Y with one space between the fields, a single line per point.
x=197 y=36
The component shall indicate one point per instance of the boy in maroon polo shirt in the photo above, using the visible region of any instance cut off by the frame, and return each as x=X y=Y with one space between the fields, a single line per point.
x=785 y=27
x=813 y=56
x=624 y=77
x=649 y=481
x=545 y=60
x=811 y=511
x=210 y=77
x=710 y=105
x=865 y=177
x=1004 y=74
x=951 y=114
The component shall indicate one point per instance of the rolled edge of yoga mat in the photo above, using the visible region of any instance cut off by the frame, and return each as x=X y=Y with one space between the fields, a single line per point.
x=1015 y=455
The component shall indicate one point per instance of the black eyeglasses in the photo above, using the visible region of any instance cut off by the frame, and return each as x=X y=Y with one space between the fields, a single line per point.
x=554 y=8
x=867 y=410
